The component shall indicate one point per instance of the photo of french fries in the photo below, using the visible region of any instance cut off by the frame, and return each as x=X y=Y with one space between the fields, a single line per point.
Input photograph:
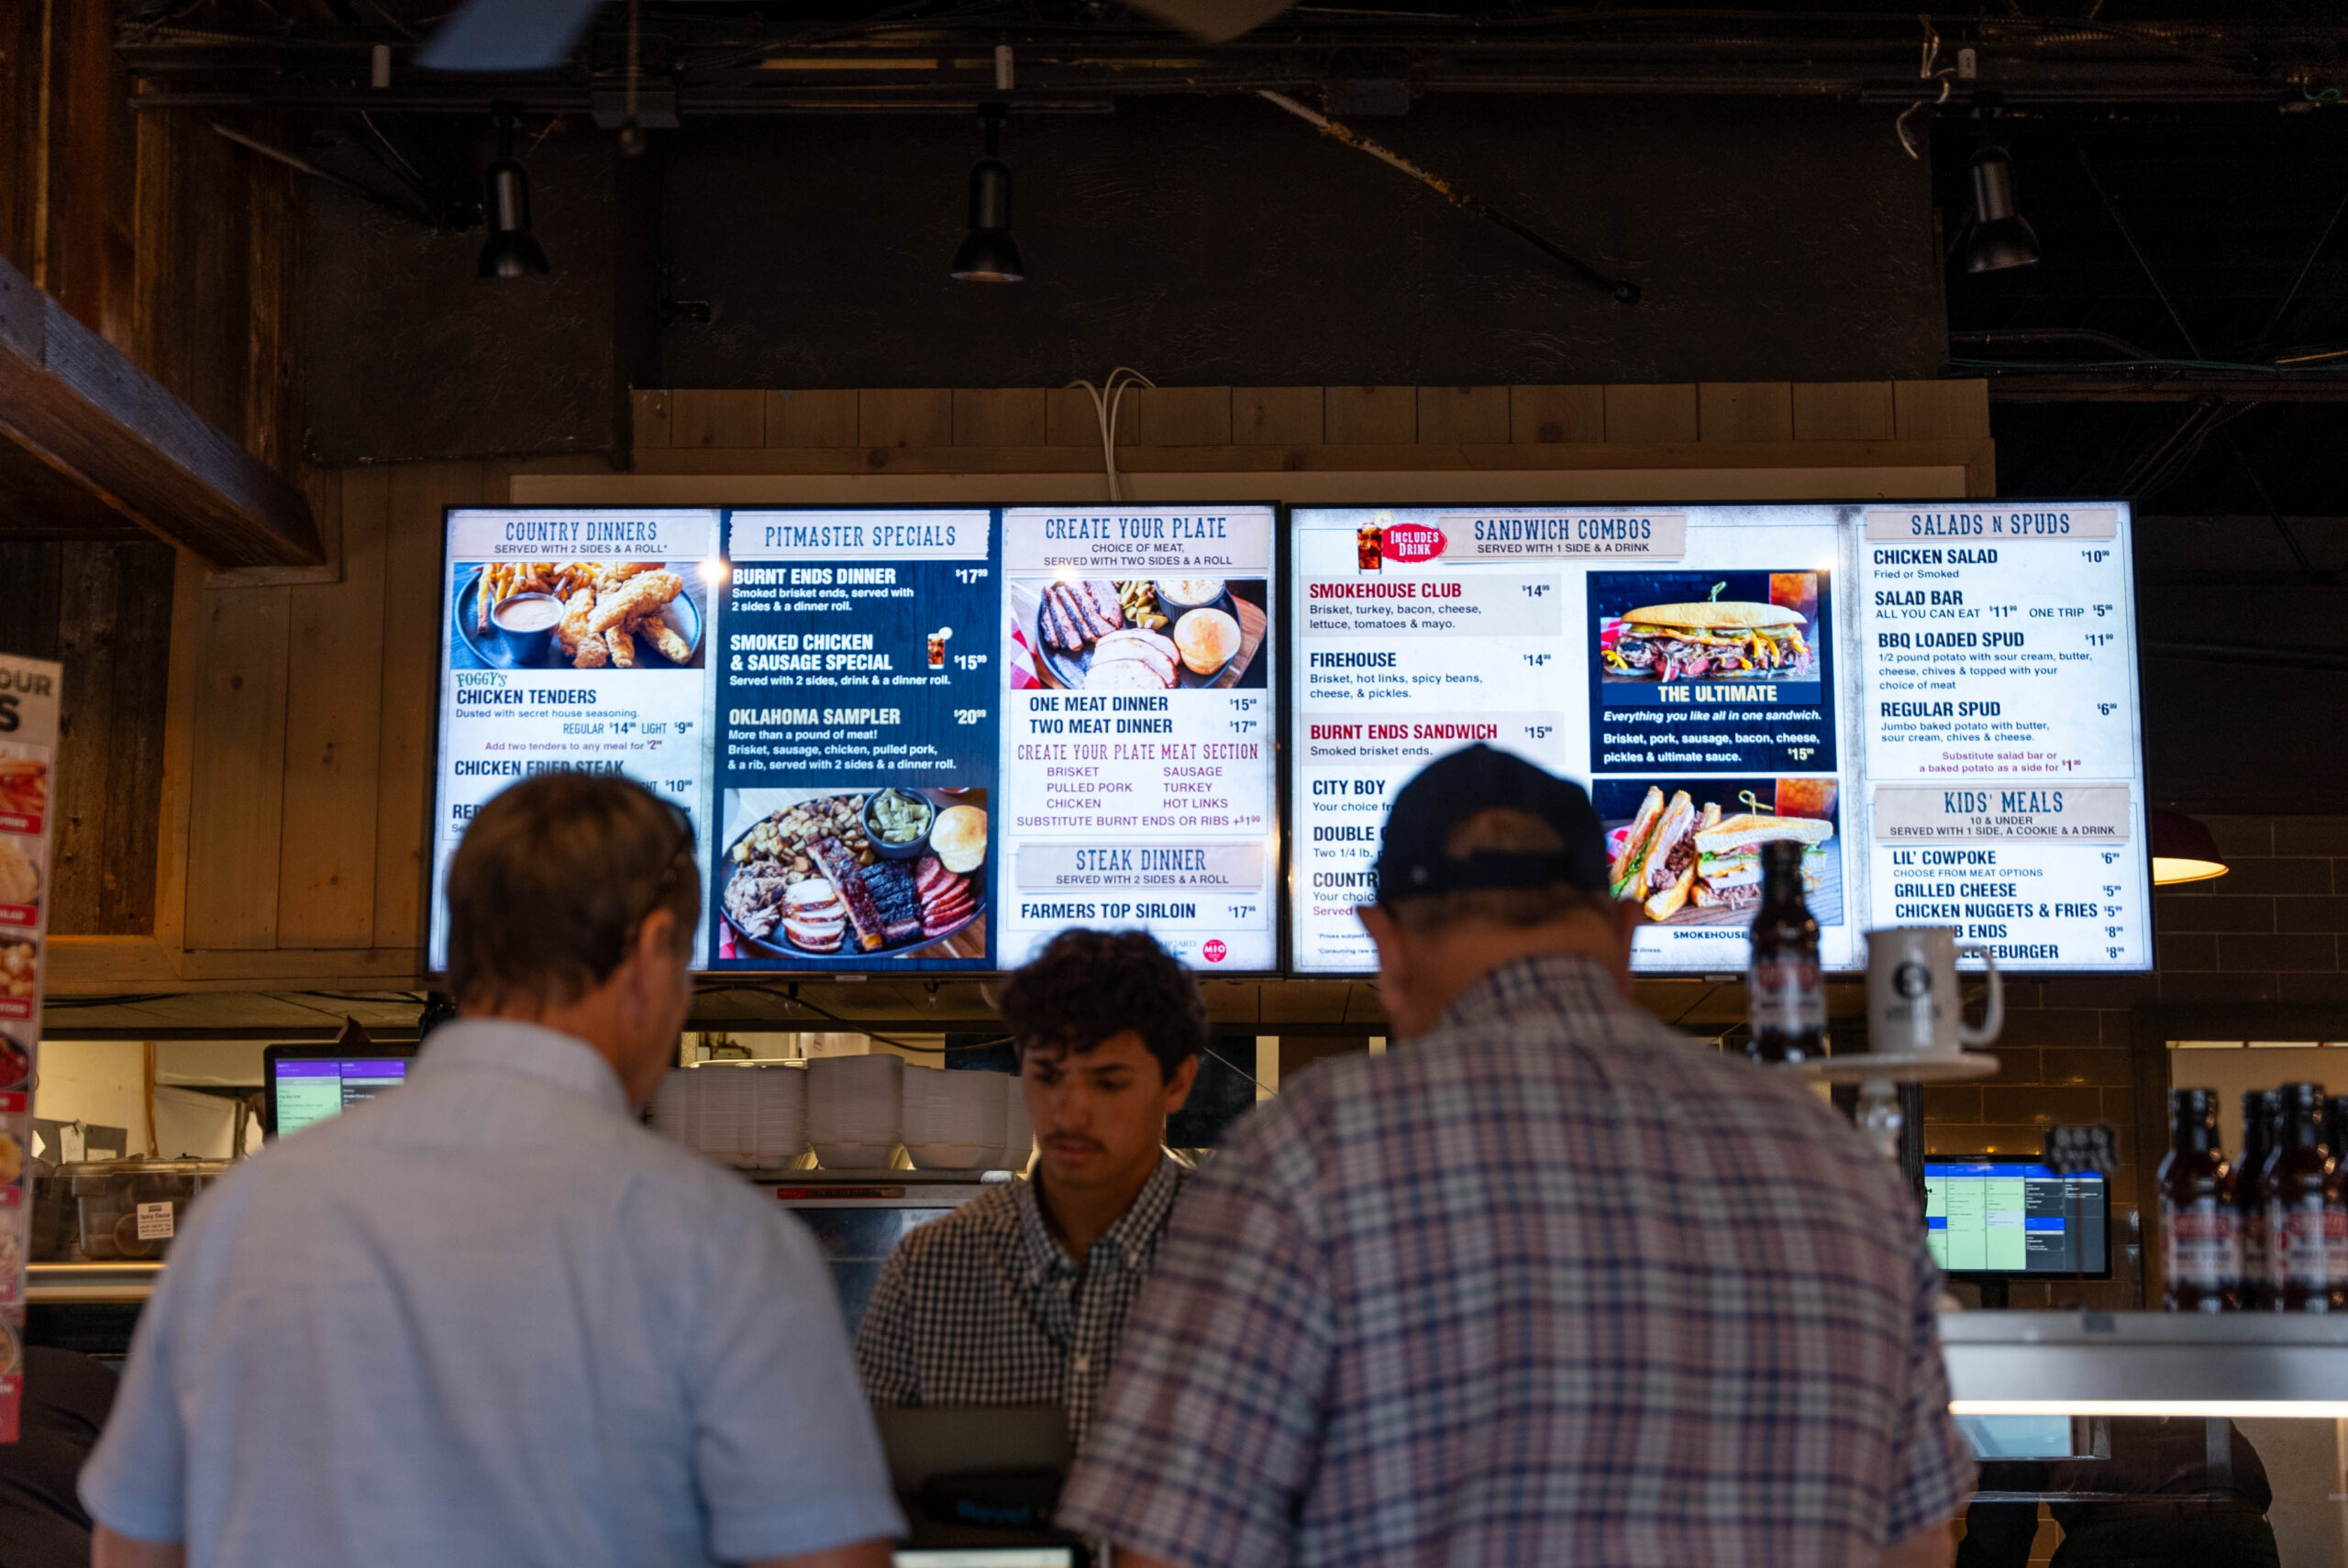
x=613 y=613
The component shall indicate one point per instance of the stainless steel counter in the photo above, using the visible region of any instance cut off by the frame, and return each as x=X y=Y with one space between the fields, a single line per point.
x=2146 y=1363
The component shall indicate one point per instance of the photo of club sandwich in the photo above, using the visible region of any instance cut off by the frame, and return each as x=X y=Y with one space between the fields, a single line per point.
x=1673 y=855
x=1734 y=640
x=1728 y=855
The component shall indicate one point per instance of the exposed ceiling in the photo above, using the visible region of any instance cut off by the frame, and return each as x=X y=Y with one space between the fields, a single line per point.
x=721 y=57
x=2184 y=343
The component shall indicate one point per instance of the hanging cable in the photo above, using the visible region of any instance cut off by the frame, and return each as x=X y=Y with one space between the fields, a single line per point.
x=1106 y=398
x=1928 y=68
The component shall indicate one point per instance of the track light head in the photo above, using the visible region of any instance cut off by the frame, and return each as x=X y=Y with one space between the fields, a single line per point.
x=2001 y=238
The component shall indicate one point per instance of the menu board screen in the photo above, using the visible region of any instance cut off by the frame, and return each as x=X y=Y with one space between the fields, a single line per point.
x=1138 y=768
x=1884 y=686
x=912 y=739
x=856 y=741
x=572 y=641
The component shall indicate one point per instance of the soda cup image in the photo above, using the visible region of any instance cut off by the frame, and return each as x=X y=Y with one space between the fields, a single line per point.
x=937 y=640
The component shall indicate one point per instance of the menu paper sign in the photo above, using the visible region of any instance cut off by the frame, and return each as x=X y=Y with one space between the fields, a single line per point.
x=576 y=641
x=1138 y=782
x=1724 y=677
x=29 y=691
x=856 y=768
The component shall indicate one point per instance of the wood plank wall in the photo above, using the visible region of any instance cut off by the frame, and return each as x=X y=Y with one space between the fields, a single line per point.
x=301 y=730
x=176 y=246
x=735 y=420
x=92 y=603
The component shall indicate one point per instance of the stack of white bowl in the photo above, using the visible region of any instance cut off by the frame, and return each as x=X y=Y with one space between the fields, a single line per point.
x=953 y=1121
x=853 y=1111
x=753 y=1118
x=1018 y=1130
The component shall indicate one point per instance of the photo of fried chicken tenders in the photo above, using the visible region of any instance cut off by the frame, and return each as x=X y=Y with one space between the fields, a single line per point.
x=580 y=614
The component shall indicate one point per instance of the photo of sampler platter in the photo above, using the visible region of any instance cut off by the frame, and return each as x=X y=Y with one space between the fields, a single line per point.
x=846 y=879
x=1143 y=635
x=1690 y=850
x=578 y=615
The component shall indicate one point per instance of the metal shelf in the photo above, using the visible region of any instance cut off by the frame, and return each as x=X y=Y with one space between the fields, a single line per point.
x=2146 y=1363
x=57 y=1285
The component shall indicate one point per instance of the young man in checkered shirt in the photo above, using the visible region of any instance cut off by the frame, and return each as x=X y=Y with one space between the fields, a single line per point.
x=1018 y=1298
x=1550 y=1283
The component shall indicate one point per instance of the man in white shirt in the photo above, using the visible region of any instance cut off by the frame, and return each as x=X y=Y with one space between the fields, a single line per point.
x=487 y=1320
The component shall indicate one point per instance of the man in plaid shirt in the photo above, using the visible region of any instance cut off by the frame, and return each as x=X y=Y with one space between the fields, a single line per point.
x=1018 y=1296
x=1551 y=1285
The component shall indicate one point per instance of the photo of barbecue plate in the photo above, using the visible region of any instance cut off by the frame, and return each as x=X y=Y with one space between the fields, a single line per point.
x=807 y=886
x=1099 y=634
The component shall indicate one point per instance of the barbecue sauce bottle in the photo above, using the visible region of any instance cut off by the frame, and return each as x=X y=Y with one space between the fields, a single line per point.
x=2200 y=1254
x=2257 y=1292
x=2303 y=1205
x=1785 y=990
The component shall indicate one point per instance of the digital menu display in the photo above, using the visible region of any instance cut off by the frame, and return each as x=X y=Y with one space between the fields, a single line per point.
x=572 y=640
x=911 y=739
x=1938 y=702
x=1139 y=781
x=856 y=741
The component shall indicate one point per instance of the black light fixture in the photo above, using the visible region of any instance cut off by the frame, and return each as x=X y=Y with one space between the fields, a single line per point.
x=2184 y=849
x=511 y=250
x=989 y=254
x=2000 y=236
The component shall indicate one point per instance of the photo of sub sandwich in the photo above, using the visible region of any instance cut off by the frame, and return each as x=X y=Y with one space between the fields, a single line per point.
x=1673 y=855
x=1728 y=856
x=1734 y=640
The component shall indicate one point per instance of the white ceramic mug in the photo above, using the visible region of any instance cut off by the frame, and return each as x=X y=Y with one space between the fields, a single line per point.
x=1913 y=1006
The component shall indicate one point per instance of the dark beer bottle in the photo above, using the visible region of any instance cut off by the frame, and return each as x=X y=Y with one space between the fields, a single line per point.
x=1785 y=990
x=2256 y=1291
x=2302 y=1204
x=2200 y=1254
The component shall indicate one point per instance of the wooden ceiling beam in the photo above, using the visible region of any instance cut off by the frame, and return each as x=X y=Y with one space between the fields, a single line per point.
x=83 y=432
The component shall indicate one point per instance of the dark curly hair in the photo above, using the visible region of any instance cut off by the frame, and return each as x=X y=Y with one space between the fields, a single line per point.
x=1089 y=984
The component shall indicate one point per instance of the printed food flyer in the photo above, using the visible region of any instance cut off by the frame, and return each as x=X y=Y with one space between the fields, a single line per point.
x=855 y=766
x=2001 y=727
x=576 y=640
x=29 y=691
x=1138 y=785
x=1724 y=677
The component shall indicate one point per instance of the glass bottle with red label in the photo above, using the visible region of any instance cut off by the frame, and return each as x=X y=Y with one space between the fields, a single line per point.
x=1784 y=986
x=2307 y=1225
x=2258 y=1112
x=2200 y=1252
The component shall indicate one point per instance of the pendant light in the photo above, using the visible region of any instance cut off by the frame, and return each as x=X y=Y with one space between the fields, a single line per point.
x=2184 y=849
x=2001 y=238
x=988 y=254
x=511 y=250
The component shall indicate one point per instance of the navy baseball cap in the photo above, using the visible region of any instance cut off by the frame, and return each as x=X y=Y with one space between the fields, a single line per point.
x=1414 y=862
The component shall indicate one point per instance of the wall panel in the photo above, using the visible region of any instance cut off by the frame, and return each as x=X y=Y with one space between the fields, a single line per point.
x=332 y=732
